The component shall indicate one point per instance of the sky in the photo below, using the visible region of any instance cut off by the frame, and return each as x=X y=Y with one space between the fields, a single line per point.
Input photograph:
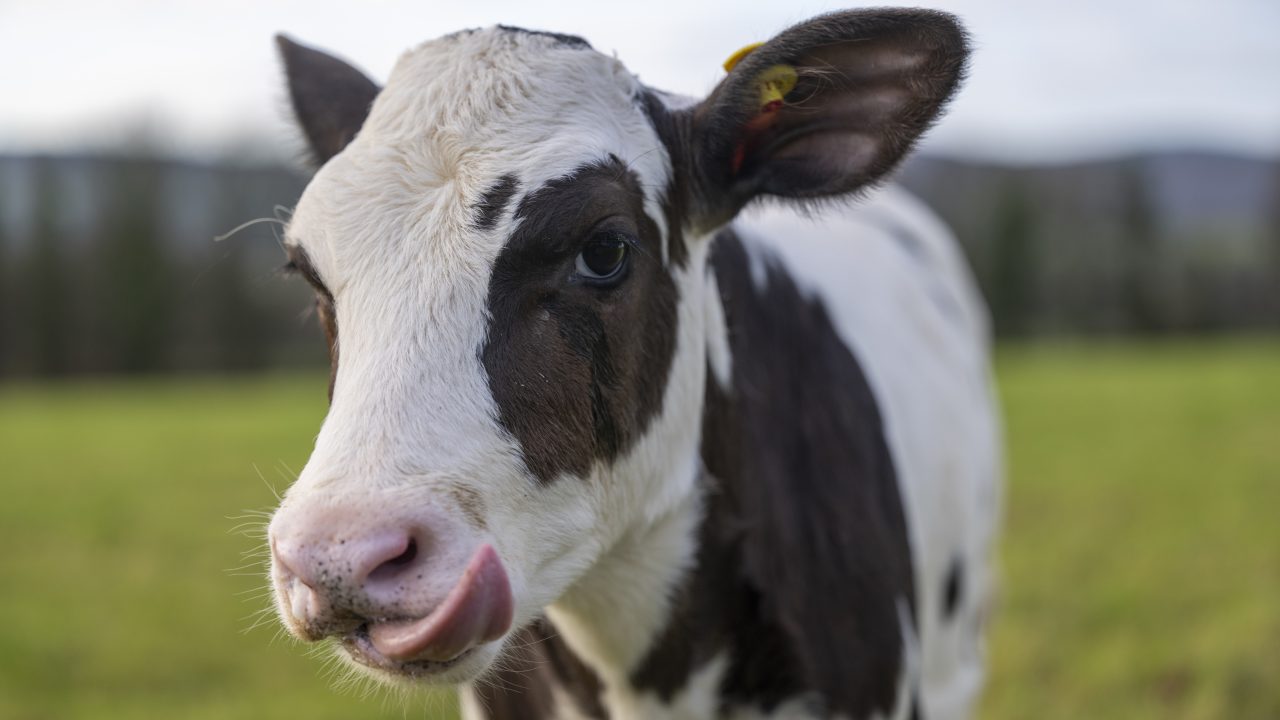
x=1050 y=80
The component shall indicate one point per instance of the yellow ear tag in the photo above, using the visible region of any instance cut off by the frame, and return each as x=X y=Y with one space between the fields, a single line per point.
x=736 y=58
x=775 y=82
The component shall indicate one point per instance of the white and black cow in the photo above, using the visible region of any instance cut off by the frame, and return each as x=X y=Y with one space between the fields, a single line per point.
x=607 y=436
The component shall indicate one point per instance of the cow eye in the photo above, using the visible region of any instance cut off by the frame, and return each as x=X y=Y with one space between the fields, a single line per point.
x=603 y=258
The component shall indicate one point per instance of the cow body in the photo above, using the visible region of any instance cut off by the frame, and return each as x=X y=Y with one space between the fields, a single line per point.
x=596 y=447
x=901 y=360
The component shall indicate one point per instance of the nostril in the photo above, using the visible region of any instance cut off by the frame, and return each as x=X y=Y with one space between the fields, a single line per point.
x=389 y=569
x=386 y=575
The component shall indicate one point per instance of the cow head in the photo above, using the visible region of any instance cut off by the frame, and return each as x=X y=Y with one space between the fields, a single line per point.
x=509 y=246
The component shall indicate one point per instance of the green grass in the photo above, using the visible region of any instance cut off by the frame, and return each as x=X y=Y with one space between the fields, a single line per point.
x=1142 y=544
x=117 y=586
x=1141 y=555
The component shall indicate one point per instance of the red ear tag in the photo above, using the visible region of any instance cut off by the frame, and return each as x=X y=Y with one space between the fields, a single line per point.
x=768 y=113
x=739 y=152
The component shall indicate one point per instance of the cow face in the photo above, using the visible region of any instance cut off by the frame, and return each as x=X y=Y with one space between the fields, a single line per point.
x=508 y=244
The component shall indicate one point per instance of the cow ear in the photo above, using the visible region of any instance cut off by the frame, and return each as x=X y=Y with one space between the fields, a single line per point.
x=331 y=99
x=826 y=107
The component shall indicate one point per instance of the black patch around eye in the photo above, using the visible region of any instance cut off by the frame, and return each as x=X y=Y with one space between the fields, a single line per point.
x=576 y=375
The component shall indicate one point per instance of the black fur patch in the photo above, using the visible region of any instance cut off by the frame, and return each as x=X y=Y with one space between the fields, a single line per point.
x=578 y=371
x=953 y=589
x=489 y=209
x=569 y=41
x=803 y=556
x=537 y=660
x=578 y=680
x=519 y=685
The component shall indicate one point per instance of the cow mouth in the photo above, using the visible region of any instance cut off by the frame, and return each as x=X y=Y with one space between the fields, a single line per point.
x=478 y=610
x=361 y=649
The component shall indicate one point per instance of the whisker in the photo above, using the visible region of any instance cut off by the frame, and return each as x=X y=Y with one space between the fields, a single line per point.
x=243 y=225
x=270 y=487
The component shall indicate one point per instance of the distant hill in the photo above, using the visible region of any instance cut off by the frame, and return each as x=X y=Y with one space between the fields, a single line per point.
x=1190 y=189
x=1156 y=243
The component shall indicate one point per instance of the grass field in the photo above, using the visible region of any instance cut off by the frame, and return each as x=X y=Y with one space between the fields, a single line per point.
x=1141 y=558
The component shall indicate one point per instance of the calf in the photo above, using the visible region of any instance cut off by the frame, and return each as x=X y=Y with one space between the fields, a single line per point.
x=607 y=437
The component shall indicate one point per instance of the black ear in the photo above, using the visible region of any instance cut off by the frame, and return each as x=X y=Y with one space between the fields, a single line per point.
x=826 y=107
x=330 y=98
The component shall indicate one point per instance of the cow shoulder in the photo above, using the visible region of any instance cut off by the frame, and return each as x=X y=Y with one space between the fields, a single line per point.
x=804 y=579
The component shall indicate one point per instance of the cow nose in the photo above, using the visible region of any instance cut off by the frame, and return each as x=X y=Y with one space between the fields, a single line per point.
x=337 y=571
x=395 y=589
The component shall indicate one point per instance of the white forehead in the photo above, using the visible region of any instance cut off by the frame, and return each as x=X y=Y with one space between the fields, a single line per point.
x=456 y=114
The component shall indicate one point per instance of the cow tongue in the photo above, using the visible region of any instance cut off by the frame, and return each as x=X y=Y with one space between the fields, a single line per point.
x=477 y=610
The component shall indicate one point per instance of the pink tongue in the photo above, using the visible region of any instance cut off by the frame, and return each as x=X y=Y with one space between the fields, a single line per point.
x=477 y=610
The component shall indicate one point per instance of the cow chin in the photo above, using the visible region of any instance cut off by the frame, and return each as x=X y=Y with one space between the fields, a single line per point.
x=358 y=653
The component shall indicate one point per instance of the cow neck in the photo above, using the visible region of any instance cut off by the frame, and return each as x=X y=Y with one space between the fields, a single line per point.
x=613 y=614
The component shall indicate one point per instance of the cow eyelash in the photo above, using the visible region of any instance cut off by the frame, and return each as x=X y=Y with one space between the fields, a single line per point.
x=633 y=244
x=304 y=269
x=293 y=269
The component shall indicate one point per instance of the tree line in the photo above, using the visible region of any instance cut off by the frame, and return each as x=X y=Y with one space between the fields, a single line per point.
x=113 y=269
x=108 y=265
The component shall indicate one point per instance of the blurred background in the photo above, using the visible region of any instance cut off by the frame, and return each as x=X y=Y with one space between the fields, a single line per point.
x=1112 y=169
